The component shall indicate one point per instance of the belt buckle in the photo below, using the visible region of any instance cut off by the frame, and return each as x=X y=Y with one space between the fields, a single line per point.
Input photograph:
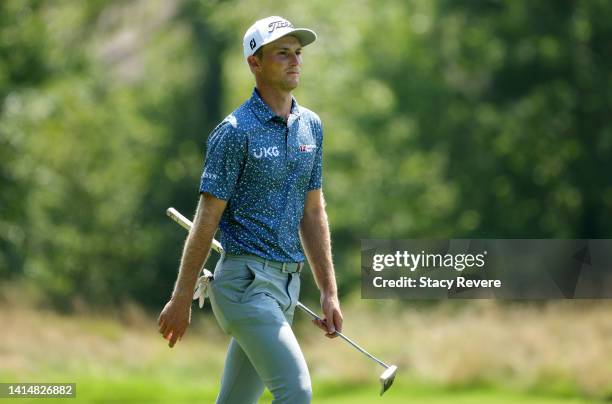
x=287 y=265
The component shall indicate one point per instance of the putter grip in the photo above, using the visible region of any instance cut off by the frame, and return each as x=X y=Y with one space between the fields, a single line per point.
x=187 y=224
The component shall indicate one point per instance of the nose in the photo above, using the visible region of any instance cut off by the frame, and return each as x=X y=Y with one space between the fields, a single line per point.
x=295 y=59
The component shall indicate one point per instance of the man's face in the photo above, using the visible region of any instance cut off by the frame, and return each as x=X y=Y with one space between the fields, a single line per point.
x=280 y=63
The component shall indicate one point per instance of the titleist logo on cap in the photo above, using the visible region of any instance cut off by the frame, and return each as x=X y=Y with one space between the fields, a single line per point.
x=269 y=29
x=279 y=24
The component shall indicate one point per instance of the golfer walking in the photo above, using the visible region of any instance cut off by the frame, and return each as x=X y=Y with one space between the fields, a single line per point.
x=261 y=186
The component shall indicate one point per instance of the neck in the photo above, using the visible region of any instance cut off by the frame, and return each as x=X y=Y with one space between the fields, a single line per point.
x=278 y=101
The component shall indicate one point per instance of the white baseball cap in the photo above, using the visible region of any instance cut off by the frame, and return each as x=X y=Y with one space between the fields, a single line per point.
x=269 y=29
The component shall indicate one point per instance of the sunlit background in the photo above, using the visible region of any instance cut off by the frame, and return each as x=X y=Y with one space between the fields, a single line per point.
x=442 y=119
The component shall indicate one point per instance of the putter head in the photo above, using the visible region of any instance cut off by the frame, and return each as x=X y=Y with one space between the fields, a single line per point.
x=386 y=378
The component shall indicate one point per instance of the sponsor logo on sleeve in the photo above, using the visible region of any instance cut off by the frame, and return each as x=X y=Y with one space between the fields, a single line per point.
x=210 y=176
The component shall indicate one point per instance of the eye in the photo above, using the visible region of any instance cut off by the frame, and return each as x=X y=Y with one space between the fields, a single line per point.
x=298 y=52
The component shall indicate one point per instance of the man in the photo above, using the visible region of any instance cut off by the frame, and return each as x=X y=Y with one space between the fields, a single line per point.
x=261 y=186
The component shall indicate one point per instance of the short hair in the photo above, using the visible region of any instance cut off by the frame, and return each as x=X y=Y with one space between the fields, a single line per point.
x=258 y=53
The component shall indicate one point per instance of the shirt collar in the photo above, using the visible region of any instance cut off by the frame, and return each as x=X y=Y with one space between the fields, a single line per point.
x=263 y=112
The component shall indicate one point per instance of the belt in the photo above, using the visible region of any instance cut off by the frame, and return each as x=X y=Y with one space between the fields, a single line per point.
x=286 y=267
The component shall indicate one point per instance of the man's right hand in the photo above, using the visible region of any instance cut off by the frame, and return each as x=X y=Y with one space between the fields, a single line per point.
x=176 y=315
x=174 y=320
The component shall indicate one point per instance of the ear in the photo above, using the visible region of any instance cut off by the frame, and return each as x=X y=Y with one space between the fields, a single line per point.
x=254 y=63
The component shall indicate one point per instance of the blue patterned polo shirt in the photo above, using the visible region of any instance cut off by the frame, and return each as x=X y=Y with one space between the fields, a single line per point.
x=263 y=167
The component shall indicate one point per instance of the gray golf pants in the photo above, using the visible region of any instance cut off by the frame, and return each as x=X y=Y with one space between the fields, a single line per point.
x=254 y=300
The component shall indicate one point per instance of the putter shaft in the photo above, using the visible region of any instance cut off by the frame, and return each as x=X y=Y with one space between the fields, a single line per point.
x=344 y=337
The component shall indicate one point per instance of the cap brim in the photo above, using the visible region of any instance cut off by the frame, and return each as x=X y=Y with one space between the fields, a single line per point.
x=304 y=35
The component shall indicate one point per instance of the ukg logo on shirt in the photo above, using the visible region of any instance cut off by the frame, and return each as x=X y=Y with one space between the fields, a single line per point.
x=271 y=151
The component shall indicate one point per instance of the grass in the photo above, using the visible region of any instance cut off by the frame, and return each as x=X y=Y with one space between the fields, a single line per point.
x=468 y=352
x=143 y=390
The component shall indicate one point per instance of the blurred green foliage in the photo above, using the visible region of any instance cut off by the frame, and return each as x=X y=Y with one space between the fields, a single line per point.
x=447 y=118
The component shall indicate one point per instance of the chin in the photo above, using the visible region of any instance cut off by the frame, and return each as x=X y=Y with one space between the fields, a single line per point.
x=293 y=84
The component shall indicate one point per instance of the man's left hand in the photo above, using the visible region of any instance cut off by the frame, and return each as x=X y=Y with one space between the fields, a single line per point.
x=332 y=320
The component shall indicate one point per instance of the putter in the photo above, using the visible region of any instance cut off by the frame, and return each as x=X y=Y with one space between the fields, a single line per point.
x=387 y=376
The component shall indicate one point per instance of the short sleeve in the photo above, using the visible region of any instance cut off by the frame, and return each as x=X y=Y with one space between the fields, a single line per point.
x=225 y=156
x=316 y=178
